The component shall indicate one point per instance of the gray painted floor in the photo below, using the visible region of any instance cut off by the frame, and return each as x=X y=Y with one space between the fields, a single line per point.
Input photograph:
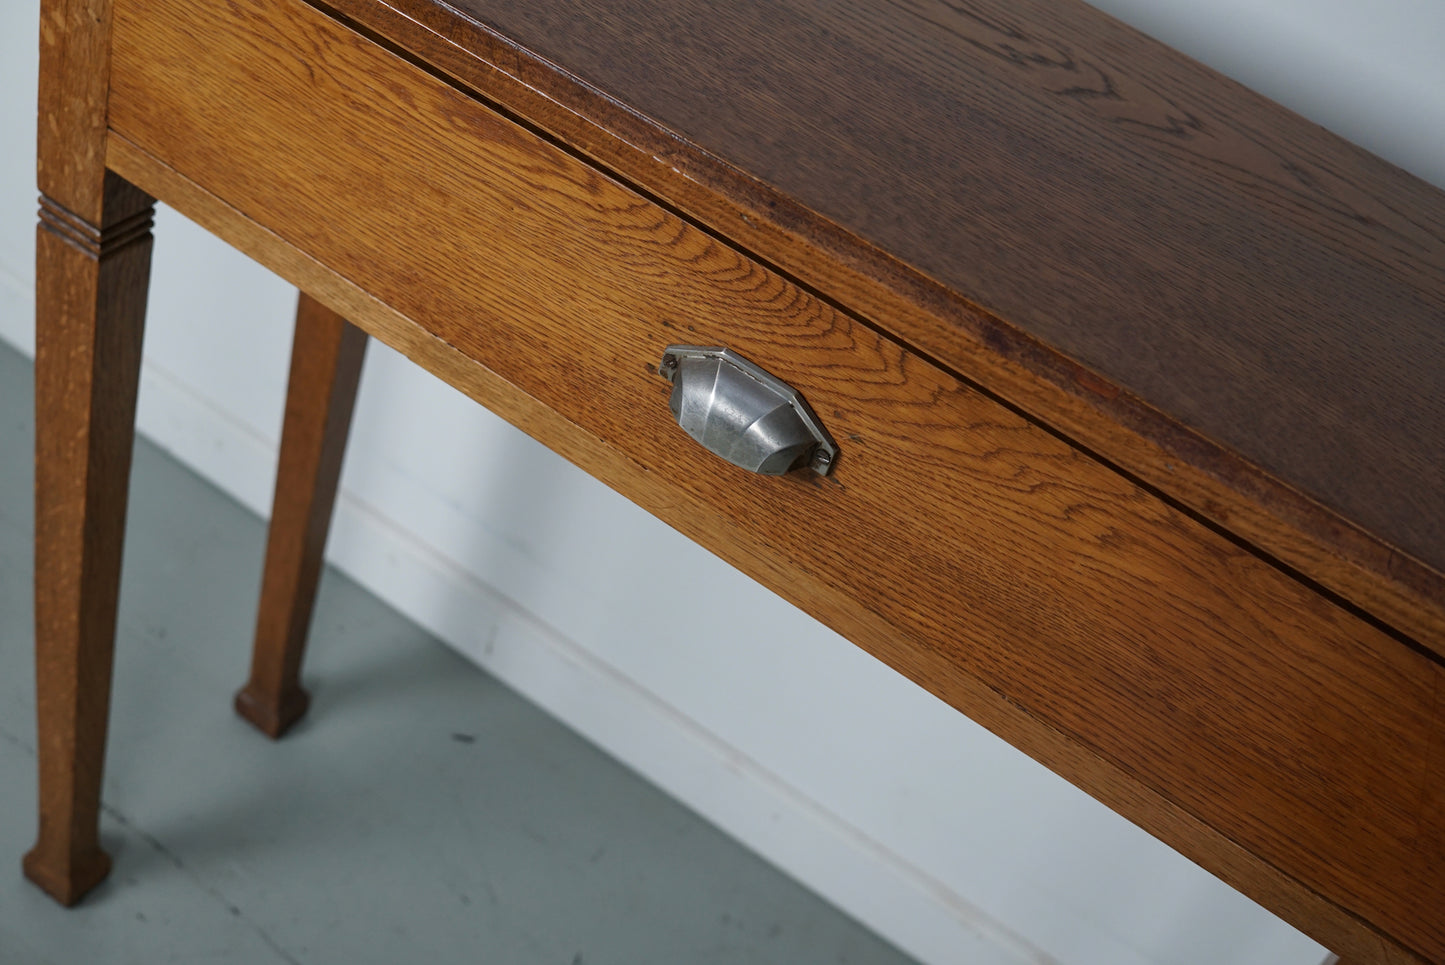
x=422 y=813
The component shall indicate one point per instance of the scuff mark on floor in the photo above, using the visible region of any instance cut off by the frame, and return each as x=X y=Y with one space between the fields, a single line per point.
x=208 y=889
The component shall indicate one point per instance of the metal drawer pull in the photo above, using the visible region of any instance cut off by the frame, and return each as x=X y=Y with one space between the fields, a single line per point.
x=743 y=414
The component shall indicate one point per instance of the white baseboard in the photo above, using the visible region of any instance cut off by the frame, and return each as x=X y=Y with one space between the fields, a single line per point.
x=627 y=721
x=672 y=751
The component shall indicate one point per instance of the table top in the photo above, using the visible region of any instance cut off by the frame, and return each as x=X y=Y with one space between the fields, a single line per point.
x=1100 y=230
x=1083 y=316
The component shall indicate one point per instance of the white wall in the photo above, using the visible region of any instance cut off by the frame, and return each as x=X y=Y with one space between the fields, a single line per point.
x=875 y=794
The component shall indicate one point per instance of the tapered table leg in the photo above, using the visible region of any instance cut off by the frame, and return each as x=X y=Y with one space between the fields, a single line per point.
x=326 y=358
x=90 y=310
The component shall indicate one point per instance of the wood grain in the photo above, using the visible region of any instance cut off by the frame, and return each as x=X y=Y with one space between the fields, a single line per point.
x=90 y=310
x=1060 y=209
x=694 y=517
x=92 y=259
x=326 y=357
x=74 y=84
x=956 y=540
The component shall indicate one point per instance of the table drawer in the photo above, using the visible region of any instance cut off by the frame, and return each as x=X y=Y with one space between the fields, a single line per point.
x=1029 y=585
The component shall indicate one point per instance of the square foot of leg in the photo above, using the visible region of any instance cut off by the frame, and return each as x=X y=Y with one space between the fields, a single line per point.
x=270 y=715
x=67 y=881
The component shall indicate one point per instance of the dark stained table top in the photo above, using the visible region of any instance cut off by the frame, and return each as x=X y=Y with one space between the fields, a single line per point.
x=1243 y=272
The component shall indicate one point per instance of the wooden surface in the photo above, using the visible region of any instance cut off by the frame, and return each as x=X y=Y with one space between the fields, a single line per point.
x=1270 y=734
x=90 y=308
x=73 y=88
x=326 y=358
x=1221 y=298
x=1097 y=776
x=1236 y=267
x=93 y=248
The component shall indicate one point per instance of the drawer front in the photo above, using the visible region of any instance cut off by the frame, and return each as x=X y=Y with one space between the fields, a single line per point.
x=972 y=550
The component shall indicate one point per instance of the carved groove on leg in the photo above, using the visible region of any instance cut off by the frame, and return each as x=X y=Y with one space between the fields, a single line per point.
x=67 y=878
x=272 y=714
x=96 y=242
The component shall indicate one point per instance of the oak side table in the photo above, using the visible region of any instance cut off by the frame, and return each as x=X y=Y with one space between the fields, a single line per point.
x=1113 y=393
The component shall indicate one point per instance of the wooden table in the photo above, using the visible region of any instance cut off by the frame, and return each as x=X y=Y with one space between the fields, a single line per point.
x=1137 y=378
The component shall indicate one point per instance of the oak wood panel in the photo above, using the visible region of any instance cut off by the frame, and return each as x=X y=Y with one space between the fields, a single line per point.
x=1145 y=636
x=1232 y=264
x=695 y=517
x=1289 y=398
